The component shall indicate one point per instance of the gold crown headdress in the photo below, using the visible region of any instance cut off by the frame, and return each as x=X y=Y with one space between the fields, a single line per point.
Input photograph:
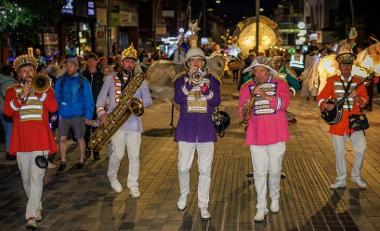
x=129 y=53
x=24 y=60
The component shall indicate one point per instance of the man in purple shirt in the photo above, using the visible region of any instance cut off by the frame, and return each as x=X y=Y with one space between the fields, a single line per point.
x=129 y=134
x=198 y=94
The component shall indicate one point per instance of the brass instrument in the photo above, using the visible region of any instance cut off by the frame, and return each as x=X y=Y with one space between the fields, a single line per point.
x=247 y=110
x=197 y=76
x=40 y=83
x=127 y=105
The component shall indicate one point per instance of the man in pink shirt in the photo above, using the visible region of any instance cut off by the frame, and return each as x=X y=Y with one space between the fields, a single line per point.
x=267 y=130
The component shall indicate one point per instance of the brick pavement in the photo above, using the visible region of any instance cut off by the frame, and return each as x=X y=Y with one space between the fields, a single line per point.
x=83 y=200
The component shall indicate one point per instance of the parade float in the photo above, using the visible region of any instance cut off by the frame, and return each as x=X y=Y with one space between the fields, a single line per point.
x=243 y=39
x=245 y=34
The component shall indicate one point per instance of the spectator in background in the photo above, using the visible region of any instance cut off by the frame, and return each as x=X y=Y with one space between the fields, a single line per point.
x=102 y=62
x=248 y=75
x=61 y=66
x=40 y=59
x=83 y=65
x=6 y=80
x=107 y=70
x=94 y=75
x=142 y=56
x=75 y=108
x=115 y=48
x=118 y=66
x=110 y=60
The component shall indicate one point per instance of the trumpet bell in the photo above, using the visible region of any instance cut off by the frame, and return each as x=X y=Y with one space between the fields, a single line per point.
x=40 y=83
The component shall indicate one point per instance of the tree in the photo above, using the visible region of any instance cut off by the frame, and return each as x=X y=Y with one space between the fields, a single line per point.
x=32 y=14
x=29 y=16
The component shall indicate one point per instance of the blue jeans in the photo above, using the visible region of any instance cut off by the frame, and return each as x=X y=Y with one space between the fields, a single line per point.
x=7 y=123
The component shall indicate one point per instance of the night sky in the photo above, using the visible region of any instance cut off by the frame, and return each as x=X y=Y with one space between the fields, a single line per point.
x=232 y=11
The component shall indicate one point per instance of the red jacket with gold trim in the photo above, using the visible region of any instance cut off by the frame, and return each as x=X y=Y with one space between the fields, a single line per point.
x=31 y=130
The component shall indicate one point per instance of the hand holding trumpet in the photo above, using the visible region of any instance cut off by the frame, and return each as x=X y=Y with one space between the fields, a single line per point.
x=26 y=90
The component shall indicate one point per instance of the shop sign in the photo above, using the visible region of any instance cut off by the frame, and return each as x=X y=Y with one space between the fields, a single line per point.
x=68 y=8
x=160 y=30
x=101 y=16
x=128 y=18
x=50 y=39
x=90 y=8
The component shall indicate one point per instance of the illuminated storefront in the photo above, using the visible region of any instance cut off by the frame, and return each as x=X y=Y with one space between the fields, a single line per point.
x=76 y=31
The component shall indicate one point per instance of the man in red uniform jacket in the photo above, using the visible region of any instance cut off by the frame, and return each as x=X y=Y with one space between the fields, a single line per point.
x=335 y=89
x=31 y=134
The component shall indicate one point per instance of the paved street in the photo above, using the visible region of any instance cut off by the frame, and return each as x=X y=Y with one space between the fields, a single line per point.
x=83 y=199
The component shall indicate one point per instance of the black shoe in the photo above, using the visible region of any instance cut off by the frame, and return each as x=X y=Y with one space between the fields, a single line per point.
x=88 y=153
x=61 y=168
x=80 y=165
x=10 y=157
x=96 y=156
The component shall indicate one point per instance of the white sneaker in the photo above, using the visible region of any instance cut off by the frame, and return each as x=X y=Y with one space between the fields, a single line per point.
x=39 y=215
x=32 y=223
x=338 y=184
x=205 y=214
x=116 y=186
x=260 y=214
x=360 y=182
x=182 y=202
x=134 y=192
x=275 y=206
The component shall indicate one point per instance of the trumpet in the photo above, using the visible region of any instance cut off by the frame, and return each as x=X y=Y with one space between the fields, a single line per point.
x=40 y=83
x=197 y=76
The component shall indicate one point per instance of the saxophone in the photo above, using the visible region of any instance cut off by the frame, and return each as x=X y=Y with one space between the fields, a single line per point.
x=127 y=105
x=247 y=110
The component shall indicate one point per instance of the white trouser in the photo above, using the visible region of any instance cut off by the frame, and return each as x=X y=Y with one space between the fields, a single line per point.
x=119 y=140
x=185 y=159
x=267 y=158
x=32 y=180
x=359 y=144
